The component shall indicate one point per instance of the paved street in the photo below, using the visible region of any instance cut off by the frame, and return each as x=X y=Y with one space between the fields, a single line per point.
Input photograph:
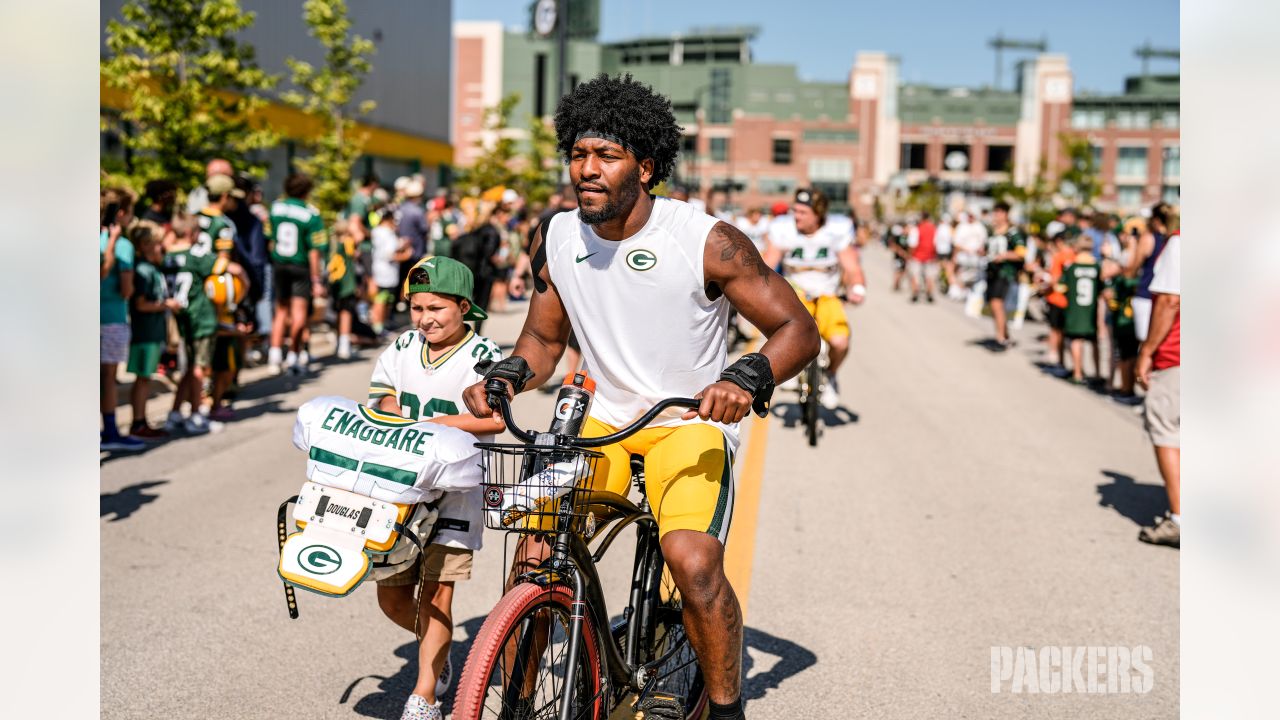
x=966 y=500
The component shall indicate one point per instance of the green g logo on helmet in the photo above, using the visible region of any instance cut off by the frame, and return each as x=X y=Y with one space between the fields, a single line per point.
x=641 y=260
x=319 y=559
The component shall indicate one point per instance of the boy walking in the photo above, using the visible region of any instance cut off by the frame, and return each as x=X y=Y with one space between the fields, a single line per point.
x=423 y=375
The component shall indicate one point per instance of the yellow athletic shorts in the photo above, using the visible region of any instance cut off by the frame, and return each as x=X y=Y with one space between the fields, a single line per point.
x=688 y=473
x=828 y=313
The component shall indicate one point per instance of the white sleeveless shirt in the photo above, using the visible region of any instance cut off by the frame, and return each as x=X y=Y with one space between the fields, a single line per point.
x=640 y=311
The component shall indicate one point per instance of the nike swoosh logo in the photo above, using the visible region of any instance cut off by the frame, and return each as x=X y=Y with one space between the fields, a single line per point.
x=584 y=257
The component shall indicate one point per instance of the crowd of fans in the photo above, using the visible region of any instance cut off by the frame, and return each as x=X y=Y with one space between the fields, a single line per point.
x=197 y=292
x=1098 y=281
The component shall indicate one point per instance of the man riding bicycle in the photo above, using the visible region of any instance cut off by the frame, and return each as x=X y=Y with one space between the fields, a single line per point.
x=818 y=255
x=646 y=283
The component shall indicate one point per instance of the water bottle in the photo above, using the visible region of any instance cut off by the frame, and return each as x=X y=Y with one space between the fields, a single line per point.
x=572 y=404
x=547 y=477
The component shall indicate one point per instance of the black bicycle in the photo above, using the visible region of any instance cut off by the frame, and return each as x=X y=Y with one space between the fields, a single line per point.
x=548 y=648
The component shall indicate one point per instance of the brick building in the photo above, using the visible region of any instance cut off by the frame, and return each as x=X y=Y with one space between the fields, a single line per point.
x=756 y=131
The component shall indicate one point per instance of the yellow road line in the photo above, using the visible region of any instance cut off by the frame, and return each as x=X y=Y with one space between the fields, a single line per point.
x=740 y=549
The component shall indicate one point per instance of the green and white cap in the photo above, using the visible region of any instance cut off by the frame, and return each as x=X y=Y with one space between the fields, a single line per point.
x=444 y=276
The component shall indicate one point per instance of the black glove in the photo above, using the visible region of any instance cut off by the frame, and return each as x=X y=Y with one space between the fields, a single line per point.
x=753 y=373
x=513 y=369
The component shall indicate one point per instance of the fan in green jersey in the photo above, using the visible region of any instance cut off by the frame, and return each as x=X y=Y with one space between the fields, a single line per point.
x=1081 y=282
x=297 y=239
x=186 y=266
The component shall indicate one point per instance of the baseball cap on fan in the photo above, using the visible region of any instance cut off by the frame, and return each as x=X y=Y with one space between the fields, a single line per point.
x=219 y=185
x=444 y=276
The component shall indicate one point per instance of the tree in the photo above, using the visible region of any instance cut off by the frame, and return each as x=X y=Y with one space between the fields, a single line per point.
x=925 y=197
x=1080 y=179
x=540 y=173
x=189 y=85
x=495 y=166
x=327 y=94
x=532 y=171
x=1035 y=200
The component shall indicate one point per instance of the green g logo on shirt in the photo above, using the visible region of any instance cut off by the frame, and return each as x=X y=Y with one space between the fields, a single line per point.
x=641 y=260
x=319 y=559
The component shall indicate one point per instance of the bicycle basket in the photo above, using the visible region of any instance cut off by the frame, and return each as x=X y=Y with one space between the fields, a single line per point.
x=536 y=488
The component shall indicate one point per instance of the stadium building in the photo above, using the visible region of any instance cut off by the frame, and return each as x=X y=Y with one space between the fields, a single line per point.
x=756 y=131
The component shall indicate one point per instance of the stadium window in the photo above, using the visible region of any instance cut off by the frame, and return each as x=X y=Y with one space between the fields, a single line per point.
x=913 y=156
x=775 y=186
x=1131 y=162
x=719 y=149
x=782 y=151
x=540 y=85
x=1129 y=197
x=999 y=158
x=1171 y=165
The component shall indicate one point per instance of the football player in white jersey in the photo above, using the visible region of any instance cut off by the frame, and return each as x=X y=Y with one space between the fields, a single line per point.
x=819 y=256
x=422 y=375
x=755 y=225
x=645 y=283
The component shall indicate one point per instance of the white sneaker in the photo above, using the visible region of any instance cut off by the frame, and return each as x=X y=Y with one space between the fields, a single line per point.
x=197 y=424
x=304 y=363
x=830 y=395
x=417 y=708
x=344 y=348
x=274 y=361
x=446 y=678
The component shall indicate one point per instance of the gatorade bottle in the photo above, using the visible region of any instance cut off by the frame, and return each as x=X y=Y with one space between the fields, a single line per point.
x=572 y=404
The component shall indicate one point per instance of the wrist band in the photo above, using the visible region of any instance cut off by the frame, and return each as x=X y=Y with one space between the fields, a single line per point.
x=753 y=373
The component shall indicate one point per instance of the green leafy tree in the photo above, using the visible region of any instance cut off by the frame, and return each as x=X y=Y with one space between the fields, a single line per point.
x=327 y=93
x=540 y=172
x=496 y=164
x=924 y=197
x=1080 y=178
x=189 y=85
x=1034 y=199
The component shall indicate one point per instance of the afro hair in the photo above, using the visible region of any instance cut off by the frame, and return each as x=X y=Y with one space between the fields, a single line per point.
x=627 y=109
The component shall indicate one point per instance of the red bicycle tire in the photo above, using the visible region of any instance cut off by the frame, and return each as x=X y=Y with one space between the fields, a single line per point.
x=487 y=649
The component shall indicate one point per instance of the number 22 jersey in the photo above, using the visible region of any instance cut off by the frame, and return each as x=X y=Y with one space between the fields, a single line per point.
x=425 y=389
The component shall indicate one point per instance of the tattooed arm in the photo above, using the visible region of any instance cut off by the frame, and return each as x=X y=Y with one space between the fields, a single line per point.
x=734 y=267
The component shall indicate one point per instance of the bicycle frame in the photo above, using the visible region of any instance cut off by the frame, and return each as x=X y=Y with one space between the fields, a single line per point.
x=572 y=560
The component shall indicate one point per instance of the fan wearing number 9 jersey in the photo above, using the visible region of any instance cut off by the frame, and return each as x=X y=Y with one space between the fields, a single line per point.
x=425 y=389
x=1082 y=283
x=297 y=239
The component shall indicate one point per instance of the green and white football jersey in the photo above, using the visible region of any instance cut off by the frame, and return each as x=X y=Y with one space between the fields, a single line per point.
x=1084 y=285
x=296 y=229
x=425 y=389
x=812 y=262
x=389 y=458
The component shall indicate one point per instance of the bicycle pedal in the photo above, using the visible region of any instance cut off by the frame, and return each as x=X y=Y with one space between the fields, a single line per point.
x=660 y=706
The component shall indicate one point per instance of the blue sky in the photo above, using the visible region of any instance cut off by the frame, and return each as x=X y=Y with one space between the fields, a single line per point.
x=942 y=43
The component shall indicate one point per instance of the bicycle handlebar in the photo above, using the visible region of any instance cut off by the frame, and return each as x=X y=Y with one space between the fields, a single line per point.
x=496 y=395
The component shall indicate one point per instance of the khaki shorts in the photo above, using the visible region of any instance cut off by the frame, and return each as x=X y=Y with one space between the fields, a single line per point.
x=1164 y=407
x=438 y=563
